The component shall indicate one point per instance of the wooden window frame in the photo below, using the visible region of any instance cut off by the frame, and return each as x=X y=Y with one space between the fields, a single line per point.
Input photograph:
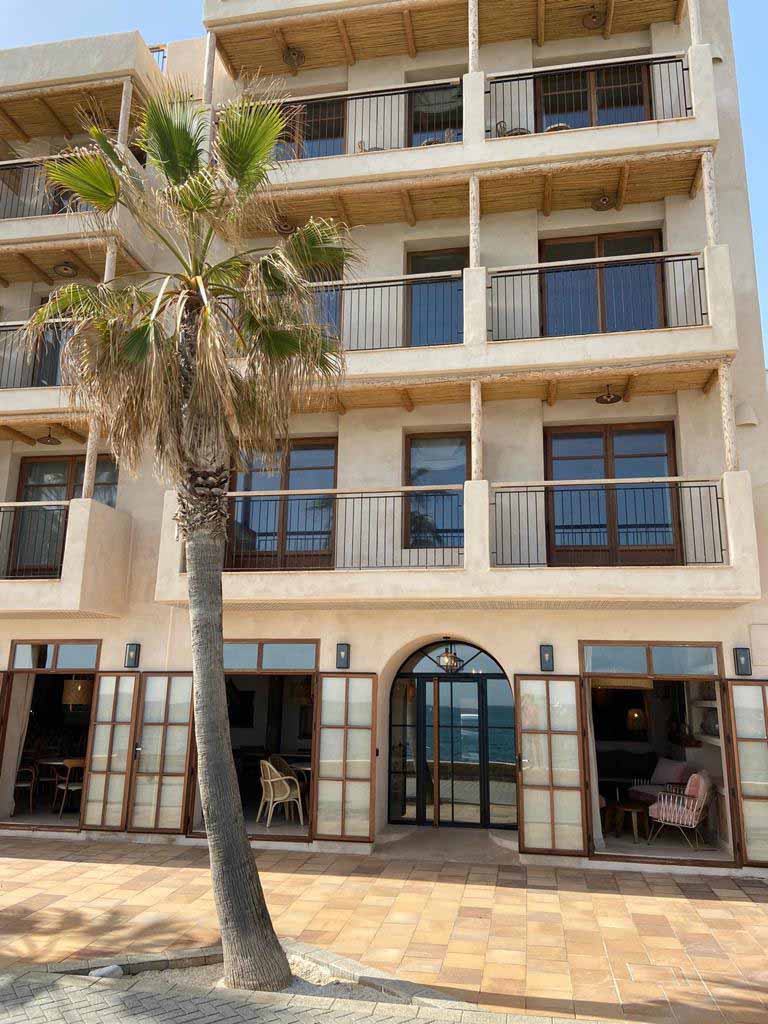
x=559 y=554
x=72 y=463
x=599 y=240
x=408 y=440
x=731 y=742
x=54 y=669
x=591 y=88
x=456 y=250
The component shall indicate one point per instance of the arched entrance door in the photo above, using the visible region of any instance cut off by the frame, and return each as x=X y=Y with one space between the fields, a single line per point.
x=452 y=740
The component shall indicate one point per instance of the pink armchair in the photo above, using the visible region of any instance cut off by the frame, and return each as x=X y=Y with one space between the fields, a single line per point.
x=685 y=811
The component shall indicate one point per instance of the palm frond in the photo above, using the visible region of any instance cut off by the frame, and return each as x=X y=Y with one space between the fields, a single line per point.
x=86 y=174
x=172 y=131
x=247 y=133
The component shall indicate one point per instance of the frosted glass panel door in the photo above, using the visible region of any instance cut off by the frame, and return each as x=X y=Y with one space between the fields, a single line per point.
x=161 y=754
x=110 y=746
x=345 y=765
x=750 y=728
x=550 y=777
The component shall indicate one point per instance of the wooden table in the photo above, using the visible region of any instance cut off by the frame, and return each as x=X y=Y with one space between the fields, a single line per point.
x=635 y=809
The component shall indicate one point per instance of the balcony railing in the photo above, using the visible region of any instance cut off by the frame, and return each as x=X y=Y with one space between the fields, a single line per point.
x=627 y=293
x=20 y=367
x=24 y=192
x=608 y=522
x=367 y=122
x=403 y=312
x=32 y=538
x=413 y=527
x=610 y=93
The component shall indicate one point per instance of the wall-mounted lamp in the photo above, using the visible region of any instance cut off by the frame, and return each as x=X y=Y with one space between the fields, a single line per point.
x=343 y=655
x=547 y=658
x=742 y=660
x=132 y=655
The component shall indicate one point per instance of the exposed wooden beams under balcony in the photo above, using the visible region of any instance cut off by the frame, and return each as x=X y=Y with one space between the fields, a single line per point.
x=393 y=27
x=641 y=178
x=37 y=261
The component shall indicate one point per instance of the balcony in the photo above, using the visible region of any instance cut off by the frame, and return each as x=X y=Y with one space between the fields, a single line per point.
x=679 y=541
x=22 y=368
x=63 y=557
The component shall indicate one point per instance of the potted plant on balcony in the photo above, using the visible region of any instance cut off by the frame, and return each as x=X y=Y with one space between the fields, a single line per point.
x=201 y=362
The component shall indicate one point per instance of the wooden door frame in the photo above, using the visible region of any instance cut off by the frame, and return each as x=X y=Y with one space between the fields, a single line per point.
x=132 y=726
x=548 y=732
x=457 y=250
x=731 y=744
x=420 y=435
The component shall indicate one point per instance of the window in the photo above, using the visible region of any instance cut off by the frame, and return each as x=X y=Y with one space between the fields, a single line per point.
x=602 y=298
x=45 y=479
x=280 y=531
x=583 y=98
x=614 y=524
x=436 y=519
x=436 y=308
x=436 y=115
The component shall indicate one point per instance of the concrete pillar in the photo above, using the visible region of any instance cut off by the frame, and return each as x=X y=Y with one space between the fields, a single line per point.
x=110 y=262
x=728 y=418
x=473 y=123
x=91 y=458
x=473 y=31
x=475 y=307
x=694 y=22
x=474 y=221
x=711 y=211
x=476 y=428
x=208 y=73
x=124 y=124
x=477 y=526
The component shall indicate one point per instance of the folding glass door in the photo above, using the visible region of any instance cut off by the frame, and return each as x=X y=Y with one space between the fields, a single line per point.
x=749 y=700
x=110 y=752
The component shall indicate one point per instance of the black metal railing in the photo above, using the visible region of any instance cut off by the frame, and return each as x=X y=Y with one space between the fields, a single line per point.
x=597 y=297
x=23 y=367
x=384 y=530
x=24 y=192
x=407 y=312
x=584 y=97
x=608 y=523
x=32 y=541
x=368 y=122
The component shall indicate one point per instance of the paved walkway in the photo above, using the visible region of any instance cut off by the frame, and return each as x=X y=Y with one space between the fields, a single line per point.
x=684 y=949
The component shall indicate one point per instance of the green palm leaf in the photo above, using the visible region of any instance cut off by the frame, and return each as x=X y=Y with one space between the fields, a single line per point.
x=173 y=131
x=88 y=177
x=248 y=131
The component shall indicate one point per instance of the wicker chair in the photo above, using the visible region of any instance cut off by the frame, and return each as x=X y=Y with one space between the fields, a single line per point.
x=276 y=790
x=685 y=811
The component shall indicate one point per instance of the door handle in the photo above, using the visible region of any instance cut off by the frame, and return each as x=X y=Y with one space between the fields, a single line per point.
x=136 y=750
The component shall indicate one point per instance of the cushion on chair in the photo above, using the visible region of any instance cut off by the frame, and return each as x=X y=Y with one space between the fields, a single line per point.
x=698 y=785
x=669 y=772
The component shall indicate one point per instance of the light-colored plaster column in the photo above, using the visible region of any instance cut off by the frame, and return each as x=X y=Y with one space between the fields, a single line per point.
x=474 y=221
x=475 y=307
x=476 y=428
x=477 y=526
x=208 y=73
x=473 y=32
x=91 y=459
x=728 y=418
x=110 y=262
x=124 y=124
x=694 y=22
x=711 y=211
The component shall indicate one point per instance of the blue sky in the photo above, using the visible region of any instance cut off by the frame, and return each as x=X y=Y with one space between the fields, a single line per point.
x=38 y=21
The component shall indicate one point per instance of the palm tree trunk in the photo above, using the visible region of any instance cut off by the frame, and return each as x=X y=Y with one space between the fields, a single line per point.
x=253 y=956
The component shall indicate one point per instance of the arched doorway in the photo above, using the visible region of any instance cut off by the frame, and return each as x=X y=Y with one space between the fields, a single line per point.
x=455 y=700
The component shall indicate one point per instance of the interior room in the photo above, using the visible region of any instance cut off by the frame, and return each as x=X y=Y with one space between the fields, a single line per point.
x=658 y=770
x=270 y=723
x=45 y=748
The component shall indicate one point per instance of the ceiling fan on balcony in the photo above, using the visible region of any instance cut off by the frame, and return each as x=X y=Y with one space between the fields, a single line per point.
x=604 y=202
x=593 y=19
x=293 y=57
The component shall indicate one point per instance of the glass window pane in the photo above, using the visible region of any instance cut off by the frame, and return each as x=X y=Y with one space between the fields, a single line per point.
x=113 y=812
x=501 y=704
x=357 y=805
x=610 y=658
x=533 y=704
x=331 y=753
x=171 y=796
x=155 y=690
x=749 y=712
x=581 y=445
x=180 y=699
x=571 y=301
x=100 y=748
x=33 y=656
x=562 y=705
x=175 y=757
x=359 y=710
x=753 y=767
x=329 y=807
x=125 y=692
x=685 y=661
x=640 y=442
x=403 y=702
x=77 y=656
x=438 y=460
x=565 y=100
x=756 y=829
x=535 y=763
x=358 y=753
x=106 y=698
x=94 y=801
x=151 y=744
x=565 y=761
x=145 y=801
x=119 y=760
x=334 y=689
x=288 y=656
x=240 y=655
x=537 y=819
x=569 y=833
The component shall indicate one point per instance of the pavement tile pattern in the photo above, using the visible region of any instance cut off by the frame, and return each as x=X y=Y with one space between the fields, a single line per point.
x=538 y=941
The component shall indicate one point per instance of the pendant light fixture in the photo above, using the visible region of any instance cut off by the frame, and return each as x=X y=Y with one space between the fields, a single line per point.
x=449 y=661
x=49 y=439
x=608 y=397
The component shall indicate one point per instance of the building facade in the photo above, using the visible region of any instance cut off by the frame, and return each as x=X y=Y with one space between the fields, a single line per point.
x=511 y=580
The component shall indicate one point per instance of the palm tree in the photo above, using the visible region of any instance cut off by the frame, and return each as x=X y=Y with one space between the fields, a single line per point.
x=203 y=362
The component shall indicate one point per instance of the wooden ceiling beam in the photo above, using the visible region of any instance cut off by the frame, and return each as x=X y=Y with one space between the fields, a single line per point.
x=621 y=192
x=4 y=282
x=680 y=12
x=711 y=381
x=696 y=183
x=346 y=42
x=11 y=434
x=86 y=268
x=341 y=208
x=38 y=271
x=629 y=387
x=406 y=400
x=546 y=205
x=55 y=117
x=73 y=435
x=341 y=409
x=610 y=13
x=551 y=392
x=541 y=22
x=14 y=125
x=408 y=211
x=410 y=36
